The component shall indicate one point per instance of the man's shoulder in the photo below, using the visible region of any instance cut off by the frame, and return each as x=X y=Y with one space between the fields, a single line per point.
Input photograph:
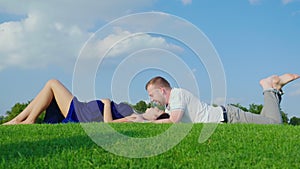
x=180 y=91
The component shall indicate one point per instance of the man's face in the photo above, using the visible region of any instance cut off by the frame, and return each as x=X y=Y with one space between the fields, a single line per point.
x=156 y=95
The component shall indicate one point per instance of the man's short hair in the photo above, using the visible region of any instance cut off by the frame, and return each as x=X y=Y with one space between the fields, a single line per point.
x=158 y=82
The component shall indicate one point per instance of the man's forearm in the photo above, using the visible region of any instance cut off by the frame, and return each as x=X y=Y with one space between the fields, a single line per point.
x=163 y=121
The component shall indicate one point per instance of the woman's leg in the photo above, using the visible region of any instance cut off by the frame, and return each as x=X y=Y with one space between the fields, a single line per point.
x=53 y=88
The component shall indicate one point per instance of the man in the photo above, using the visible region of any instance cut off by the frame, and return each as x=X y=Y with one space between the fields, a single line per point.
x=183 y=106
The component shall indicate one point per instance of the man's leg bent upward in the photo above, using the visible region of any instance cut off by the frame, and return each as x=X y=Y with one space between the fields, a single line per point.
x=272 y=90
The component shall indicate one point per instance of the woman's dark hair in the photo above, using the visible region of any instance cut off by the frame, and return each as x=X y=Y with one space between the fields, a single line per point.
x=163 y=116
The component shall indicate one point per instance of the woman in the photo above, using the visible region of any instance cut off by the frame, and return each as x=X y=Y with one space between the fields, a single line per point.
x=62 y=106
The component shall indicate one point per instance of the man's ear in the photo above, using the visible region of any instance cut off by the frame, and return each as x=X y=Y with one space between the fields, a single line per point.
x=163 y=90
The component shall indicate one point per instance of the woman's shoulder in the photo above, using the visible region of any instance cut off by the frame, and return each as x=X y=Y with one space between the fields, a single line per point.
x=123 y=108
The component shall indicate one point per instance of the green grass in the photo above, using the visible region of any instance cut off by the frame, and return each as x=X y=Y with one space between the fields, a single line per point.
x=230 y=146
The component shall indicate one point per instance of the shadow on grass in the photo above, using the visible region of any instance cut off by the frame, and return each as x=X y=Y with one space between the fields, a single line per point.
x=12 y=152
x=22 y=150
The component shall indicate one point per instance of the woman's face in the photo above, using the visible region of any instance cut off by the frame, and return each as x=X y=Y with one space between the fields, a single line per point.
x=152 y=114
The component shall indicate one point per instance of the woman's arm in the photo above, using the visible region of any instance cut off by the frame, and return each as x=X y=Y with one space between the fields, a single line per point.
x=132 y=118
x=107 y=114
x=107 y=117
x=121 y=120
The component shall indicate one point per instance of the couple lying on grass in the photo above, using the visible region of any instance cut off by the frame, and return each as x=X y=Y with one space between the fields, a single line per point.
x=181 y=106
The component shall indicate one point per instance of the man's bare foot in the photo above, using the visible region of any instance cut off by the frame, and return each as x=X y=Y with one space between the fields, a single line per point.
x=279 y=82
x=267 y=83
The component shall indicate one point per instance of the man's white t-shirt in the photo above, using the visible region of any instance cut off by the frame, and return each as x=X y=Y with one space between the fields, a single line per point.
x=194 y=110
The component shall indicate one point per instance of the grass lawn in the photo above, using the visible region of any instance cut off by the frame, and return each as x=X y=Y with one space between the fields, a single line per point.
x=230 y=146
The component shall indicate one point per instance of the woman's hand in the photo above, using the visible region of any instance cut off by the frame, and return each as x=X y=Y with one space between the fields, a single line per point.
x=106 y=101
x=139 y=118
x=135 y=118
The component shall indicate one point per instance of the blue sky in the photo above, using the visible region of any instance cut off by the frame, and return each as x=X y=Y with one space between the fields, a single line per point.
x=43 y=40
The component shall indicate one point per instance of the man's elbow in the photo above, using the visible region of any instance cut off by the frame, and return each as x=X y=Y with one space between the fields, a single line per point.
x=174 y=120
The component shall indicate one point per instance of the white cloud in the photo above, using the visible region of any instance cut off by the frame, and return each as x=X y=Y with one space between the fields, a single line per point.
x=287 y=1
x=128 y=44
x=294 y=90
x=296 y=13
x=224 y=101
x=34 y=42
x=80 y=11
x=186 y=2
x=296 y=93
x=52 y=32
x=141 y=41
x=254 y=2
